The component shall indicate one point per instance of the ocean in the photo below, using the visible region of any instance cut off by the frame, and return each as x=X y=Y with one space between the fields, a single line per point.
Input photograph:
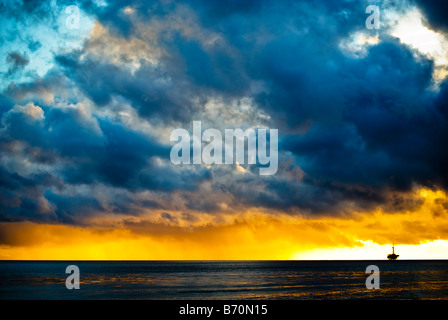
x=224 y=280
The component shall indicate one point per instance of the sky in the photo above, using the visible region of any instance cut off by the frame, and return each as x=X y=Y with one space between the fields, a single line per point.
x=87 y=107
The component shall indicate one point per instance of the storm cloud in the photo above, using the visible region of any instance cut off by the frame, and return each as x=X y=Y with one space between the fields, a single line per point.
x=360 y=125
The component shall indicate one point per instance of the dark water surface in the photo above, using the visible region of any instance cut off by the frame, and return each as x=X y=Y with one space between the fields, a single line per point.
x=412 y=279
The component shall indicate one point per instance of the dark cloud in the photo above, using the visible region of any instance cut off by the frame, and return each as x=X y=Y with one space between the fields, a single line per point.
x=80 y=153
x=34 y=45
x=17 y=62
x=382 y=133
x=146 y=90
x=40 y=90
x=27 y=9
x=21 y=197
x=436 y=13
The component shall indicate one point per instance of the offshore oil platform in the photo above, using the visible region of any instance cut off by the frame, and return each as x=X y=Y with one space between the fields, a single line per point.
x=392 y=256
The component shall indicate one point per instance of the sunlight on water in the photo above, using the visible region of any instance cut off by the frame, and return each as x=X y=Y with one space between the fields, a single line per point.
x=225 y=280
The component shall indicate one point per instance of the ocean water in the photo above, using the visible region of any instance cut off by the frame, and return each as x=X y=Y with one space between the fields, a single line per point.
x=261 y=280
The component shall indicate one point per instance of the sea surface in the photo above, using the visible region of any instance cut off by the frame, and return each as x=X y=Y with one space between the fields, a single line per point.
x=240 y=280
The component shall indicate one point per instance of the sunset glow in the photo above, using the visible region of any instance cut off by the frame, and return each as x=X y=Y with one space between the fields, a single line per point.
x=361 y=236
x=353 y=121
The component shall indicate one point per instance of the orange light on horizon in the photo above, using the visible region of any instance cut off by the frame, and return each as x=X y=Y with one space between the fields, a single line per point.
x=418 y=234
